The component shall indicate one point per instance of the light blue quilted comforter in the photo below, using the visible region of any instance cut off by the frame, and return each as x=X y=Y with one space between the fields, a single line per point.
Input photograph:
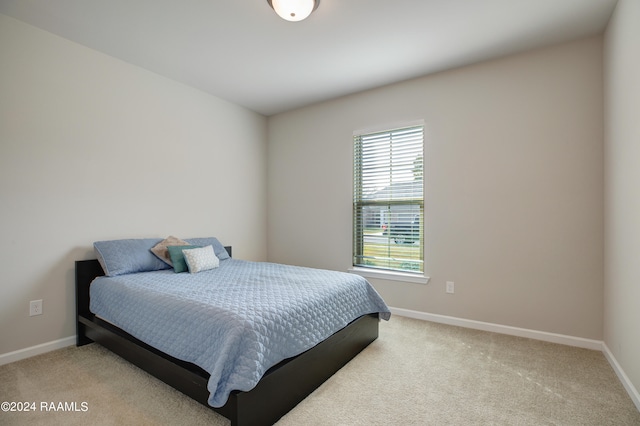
x=235 y=321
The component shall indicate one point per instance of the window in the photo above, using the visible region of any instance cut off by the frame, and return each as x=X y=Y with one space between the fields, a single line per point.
x=388 y=201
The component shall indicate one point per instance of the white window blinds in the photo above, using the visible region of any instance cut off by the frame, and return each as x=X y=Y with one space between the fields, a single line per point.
x=388 y=202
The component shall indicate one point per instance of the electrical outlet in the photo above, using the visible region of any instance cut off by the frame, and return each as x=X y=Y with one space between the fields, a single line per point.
x=35 y=307
x=450 y=287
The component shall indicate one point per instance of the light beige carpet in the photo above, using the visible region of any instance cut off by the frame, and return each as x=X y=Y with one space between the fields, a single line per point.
x=416 y=373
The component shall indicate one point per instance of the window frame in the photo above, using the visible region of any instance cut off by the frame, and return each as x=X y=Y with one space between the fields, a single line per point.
x=388 y=272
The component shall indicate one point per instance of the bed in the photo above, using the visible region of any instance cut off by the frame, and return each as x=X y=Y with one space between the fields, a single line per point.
x=278 y=388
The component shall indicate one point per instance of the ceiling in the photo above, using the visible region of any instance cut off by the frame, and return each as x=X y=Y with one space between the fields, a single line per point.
x=241 y=51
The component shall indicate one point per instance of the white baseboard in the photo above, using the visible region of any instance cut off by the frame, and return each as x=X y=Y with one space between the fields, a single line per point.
x=532 y=334
x=36 y=350
x=631 y=390
x=502 y=329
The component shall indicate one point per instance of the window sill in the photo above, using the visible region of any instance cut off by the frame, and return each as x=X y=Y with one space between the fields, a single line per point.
x=390 y=275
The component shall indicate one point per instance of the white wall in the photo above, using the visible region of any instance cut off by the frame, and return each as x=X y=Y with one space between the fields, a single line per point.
x=514 y=187
x=622 y=188
x=92 y=148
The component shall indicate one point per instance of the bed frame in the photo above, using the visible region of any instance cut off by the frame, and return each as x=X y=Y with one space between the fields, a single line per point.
x=281 y=388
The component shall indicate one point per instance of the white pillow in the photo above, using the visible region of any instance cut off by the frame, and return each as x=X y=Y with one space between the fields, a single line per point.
x=200 y=259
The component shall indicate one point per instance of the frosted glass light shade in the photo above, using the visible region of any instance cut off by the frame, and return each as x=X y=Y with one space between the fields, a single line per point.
x=294 y=10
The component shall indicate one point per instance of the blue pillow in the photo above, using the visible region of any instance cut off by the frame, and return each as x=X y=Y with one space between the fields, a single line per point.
x=119 y=257
x=177 y=257
x=218 y=249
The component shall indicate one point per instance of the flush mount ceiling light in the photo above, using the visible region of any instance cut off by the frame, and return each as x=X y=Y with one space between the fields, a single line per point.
x=294 y=10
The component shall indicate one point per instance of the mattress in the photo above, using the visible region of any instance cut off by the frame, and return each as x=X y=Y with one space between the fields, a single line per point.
x=235 y=321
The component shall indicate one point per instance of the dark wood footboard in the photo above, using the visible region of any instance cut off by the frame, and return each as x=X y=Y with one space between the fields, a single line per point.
x=280 y=389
